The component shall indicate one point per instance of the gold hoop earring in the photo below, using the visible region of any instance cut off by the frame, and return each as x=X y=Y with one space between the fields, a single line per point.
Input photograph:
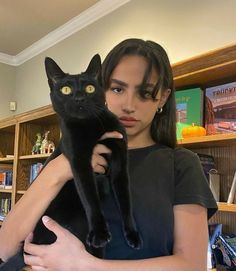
x=159 y=110
x=105 y=103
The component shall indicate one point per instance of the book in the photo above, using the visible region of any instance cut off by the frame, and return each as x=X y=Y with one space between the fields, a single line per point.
x=215 y=230
x=211 y=173
x=208 y=163
x=34 y=171
x=232 y=190
x=227 y=245
x=6 y=179
x=189 y=108
x=220 y=109
x=5 y=204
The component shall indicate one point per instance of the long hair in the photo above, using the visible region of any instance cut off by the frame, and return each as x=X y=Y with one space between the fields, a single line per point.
x=163 y=128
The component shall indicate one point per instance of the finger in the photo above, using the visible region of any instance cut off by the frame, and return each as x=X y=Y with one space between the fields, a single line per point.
x=33 y=249
x=33 y=260
x=100 y=148
x=53 y=226
x=99 y=160
x=99 y=169
x=29 y=238
x=113 y=134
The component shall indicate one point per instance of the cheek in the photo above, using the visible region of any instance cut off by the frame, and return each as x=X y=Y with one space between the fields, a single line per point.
x=149 y=108
x=112 y=103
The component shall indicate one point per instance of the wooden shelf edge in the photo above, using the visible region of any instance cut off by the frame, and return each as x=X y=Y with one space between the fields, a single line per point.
x=226 y=207
x=207 y=139
x=21 y=192
x=2 y=190
x=34 y=156
x=6 y=159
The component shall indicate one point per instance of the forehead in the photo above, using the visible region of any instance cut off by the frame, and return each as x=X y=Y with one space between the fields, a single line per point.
x=134 y=68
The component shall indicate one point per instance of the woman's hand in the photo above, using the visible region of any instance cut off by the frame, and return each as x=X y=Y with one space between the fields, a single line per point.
x=67 y=253
x=99 y=163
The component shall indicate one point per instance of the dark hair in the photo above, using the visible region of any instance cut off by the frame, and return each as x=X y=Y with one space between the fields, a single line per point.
x=163 y=129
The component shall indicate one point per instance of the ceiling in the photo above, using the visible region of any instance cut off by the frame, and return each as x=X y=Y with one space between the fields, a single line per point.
x=24 y=22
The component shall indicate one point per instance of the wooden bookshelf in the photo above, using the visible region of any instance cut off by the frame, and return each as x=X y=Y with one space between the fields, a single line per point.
x=17 y=134
x=213 y=68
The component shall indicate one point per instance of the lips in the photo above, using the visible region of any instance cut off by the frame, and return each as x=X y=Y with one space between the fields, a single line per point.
x=128 y=121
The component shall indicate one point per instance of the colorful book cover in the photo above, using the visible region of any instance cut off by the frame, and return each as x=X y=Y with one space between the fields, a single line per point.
x=220 y=108
x=189 y=108
x=215 y=230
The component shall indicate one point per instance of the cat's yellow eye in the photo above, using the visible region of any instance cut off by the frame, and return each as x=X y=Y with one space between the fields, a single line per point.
x=66 y=90
x=90 y=89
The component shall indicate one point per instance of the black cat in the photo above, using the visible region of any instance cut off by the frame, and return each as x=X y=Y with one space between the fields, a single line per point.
x=79 y=102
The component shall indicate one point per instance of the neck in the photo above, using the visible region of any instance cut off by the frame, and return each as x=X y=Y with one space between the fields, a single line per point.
x=135 y=142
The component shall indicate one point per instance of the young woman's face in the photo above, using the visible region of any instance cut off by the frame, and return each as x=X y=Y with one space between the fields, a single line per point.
x=123 y=98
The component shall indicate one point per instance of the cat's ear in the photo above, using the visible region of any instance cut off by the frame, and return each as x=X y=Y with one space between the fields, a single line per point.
x=53 y=71
x=94 y=66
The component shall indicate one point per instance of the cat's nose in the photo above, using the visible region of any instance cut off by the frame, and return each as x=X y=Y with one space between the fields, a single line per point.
x=79 y=99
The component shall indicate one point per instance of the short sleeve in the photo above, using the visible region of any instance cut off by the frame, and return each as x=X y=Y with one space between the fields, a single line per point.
x=191 y=186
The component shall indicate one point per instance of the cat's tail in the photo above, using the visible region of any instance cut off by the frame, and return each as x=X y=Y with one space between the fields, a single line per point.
x=15 y=263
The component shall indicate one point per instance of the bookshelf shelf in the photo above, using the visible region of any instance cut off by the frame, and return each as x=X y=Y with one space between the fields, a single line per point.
x=225 y=207
x=218 y=139
x=2 y=190
x=21 y=192
x=6 y=159
x=34 y=156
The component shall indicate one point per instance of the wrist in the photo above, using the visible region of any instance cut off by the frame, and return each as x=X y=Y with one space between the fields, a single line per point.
x=92 y=263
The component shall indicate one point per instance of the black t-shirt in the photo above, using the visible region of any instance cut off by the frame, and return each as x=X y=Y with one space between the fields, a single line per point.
x=160 y=177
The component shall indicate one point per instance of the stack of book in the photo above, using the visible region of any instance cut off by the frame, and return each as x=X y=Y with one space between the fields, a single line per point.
x=5 y=204
x=34 y=171
x=6 y=179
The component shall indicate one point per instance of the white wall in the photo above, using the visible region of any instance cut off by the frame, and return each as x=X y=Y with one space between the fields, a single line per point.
x=7 y=88
x=184 y=27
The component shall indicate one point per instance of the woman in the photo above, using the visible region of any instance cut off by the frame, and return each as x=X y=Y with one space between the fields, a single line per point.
x=171 y=198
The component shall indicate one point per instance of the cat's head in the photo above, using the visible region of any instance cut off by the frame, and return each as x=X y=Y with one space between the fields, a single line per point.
x=76 y=96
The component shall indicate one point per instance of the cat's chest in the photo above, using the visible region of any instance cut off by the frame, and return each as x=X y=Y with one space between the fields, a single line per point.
x=81 y=137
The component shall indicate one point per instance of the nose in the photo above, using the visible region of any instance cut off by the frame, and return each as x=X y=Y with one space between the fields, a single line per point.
x=79 y=99
x=129 y=103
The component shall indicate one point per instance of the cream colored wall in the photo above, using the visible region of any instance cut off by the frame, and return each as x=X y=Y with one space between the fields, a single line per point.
x=184 y=27
x=7 y=88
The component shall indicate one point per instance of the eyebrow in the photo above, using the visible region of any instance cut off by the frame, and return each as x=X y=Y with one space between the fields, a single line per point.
x=121 y=83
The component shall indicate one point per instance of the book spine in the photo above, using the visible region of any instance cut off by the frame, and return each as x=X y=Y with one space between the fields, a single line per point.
x=232 y=190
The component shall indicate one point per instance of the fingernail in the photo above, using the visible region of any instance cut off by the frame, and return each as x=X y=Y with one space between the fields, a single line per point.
x=45 y=219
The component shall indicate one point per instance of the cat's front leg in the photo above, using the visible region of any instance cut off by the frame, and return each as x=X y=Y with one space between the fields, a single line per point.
x=99 y=234
x=120 y=185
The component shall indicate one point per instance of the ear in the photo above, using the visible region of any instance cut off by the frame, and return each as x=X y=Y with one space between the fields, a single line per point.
x=164 y=97
x=94 y=66
x=53 y=71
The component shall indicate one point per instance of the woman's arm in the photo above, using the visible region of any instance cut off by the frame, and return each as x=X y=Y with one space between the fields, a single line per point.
x=24 y=215
x=189 y=253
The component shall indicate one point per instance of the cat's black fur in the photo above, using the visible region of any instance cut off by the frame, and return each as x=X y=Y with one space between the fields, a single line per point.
x=84 y=118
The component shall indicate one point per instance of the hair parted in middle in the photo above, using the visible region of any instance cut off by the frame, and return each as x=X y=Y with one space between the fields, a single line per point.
x=163 y=129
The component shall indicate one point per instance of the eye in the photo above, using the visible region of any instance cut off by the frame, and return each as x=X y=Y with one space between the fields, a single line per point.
x=90 y=89
x=116 y=89
x=66 y=90
x=147 y=95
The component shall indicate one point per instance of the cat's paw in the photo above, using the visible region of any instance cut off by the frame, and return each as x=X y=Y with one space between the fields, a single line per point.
x=98 y=238
x=133 y=239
